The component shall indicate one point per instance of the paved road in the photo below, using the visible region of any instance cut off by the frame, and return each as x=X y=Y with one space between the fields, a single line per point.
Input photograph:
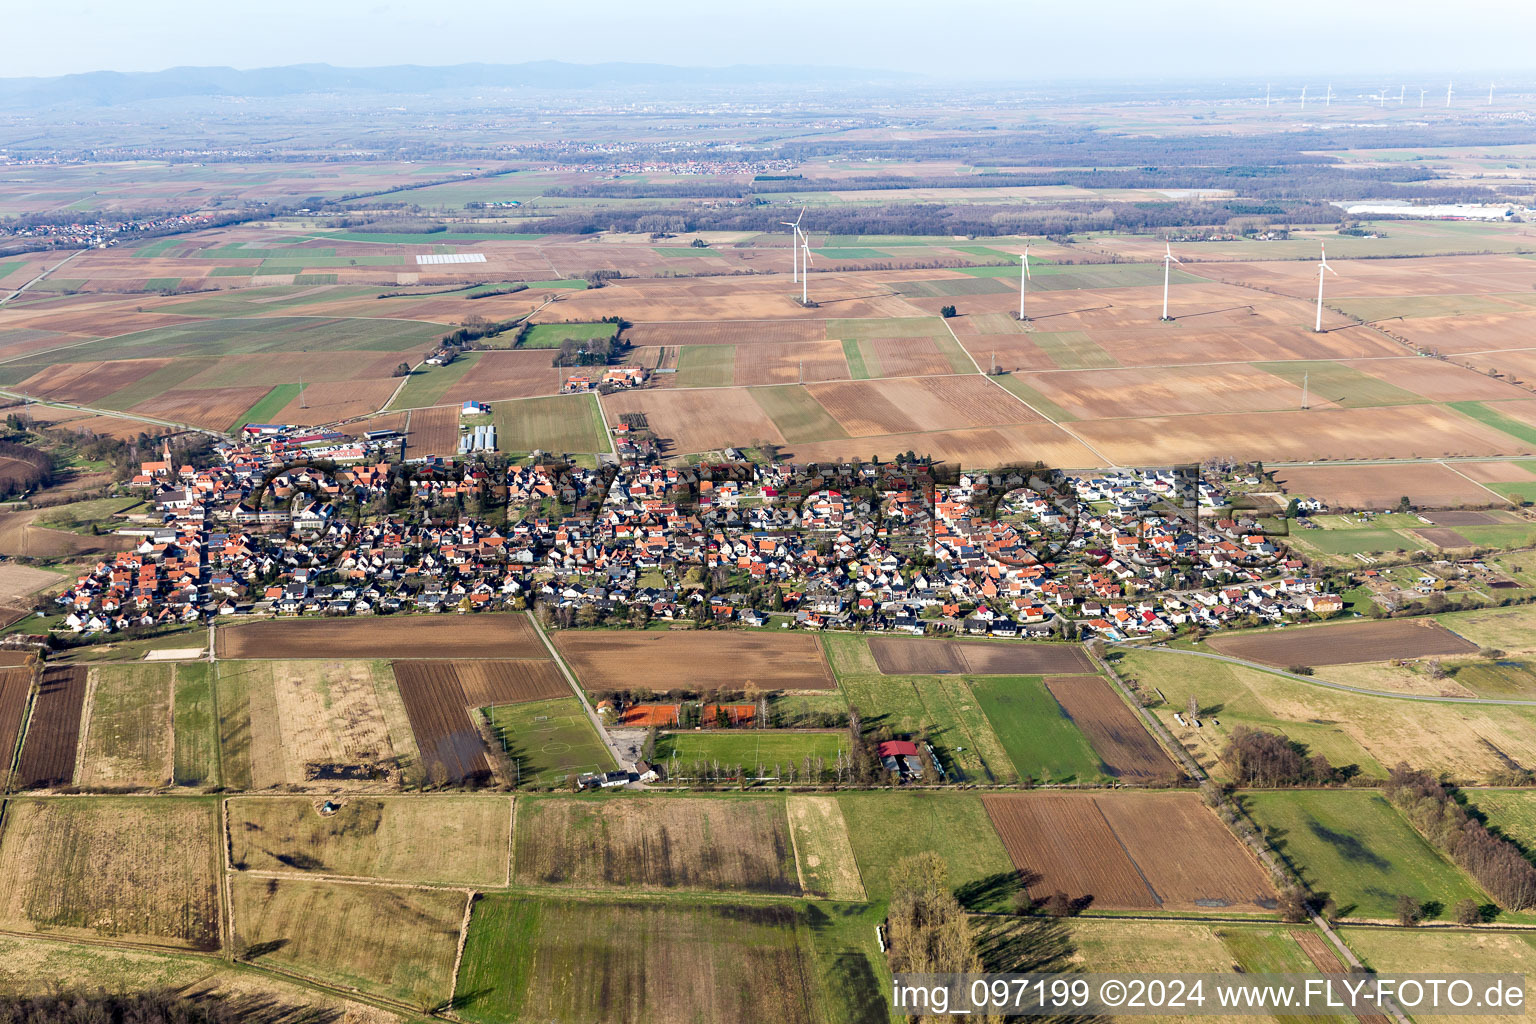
x=39 y=277
x=116 y=414
x=623 y=754
x=1314 y=681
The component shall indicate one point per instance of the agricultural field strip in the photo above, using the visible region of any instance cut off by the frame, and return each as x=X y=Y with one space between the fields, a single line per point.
x=1314 y=681
x=996 y=383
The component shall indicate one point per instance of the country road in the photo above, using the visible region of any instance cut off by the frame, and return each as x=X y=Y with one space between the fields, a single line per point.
x=1314 y=681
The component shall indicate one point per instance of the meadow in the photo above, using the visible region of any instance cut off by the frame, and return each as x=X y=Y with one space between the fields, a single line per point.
x=1356 y=848
x=548 y=740
x=449 y=839
x=531 y=958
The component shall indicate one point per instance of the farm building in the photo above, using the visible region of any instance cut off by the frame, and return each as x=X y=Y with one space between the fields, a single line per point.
x=901 y=756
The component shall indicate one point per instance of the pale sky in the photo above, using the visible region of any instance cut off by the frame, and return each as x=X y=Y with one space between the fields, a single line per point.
x=1022 y=40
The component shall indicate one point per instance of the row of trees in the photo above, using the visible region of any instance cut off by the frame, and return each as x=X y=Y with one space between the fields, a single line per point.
x=1494 y=861
x=1267 y=759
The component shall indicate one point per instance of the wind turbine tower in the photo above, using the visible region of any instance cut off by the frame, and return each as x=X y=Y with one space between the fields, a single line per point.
x=1266 y=95
x=1447 y=95
x=1169 y=259
x=805 y=278
x=1303 y=97
x=1318 y=328
x=1402 y=90
x=794 y=242
x=1421 y=98
x=1490 y=94
x=1328 y=96
x=1023 y=280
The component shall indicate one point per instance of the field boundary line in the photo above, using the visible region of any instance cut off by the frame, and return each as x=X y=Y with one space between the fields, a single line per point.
x=170 y=720
x=613 y=748
x=227 y=911
x=993 y=381
x=458 y=953
x=1326 y=684
x=1479 y=483
x=794 y=845
x=602 y=415
x=87 y=713
x=511 y=839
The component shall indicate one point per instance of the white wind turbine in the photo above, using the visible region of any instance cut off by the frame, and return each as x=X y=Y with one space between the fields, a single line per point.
x=1303 y=97
x=1266 y=95
x=1421 y=98
x=1318 y=328
x=1169 y=259
x=1490 y=94
x=1447 y=95
x=1023 y=278
x=1402 y=91
x=794 y=242
x=1328 y=96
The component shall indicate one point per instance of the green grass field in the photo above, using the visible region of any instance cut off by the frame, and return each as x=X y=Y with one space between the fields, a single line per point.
x=1354 y=846
x=1043 y=743
x=940 y=709
x=799 y=417
x=559 y=423
x=427 y=384
x=551 y=335
x=758 y=751
x=706 y=366
x=252 y=335
x=1343 y=385
x=549 y=740
x=197 y=742
x=1364 y=540
x=265 y=410
x=887 y=827
x=859 y=361
x=1491 y=416
x=851 y=253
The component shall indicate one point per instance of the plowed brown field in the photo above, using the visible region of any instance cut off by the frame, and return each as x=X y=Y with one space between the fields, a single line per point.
x=48 y=754
x=1129 y=851
x=741 y=332
x=400 y=636
x=501 y=682
x=451 y=747
x=14 y=685
x=901 y=656
x=709 y=660
x=433 y=432
x=1345 y=644
x=791 y=363
x=1120 y=740
x=328 y=401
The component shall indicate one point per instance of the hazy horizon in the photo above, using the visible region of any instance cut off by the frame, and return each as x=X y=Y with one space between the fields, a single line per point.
x=970 y=40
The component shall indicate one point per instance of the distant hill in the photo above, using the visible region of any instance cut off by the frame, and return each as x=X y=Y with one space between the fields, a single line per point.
x=102 y=88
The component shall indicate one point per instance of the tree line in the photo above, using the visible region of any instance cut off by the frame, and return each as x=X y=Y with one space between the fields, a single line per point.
x=1496 y=863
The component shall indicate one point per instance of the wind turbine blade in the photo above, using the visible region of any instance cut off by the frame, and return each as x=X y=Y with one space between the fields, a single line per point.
x=802 y=214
